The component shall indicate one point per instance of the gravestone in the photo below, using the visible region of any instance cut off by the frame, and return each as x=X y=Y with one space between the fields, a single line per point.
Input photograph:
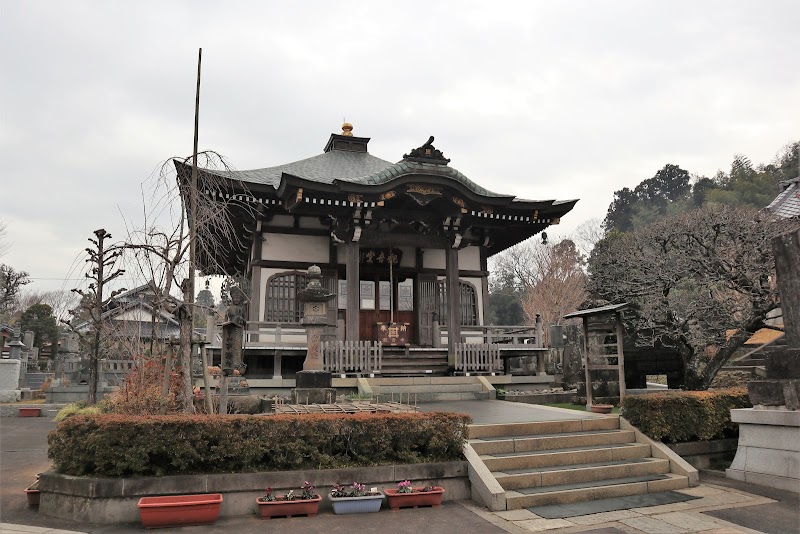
x=769 y=433
x=10 y=371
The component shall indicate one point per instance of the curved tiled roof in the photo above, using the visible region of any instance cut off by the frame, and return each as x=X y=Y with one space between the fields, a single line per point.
x=324 y=168
x=787 y=203
x=354 y=167
x=410 y=167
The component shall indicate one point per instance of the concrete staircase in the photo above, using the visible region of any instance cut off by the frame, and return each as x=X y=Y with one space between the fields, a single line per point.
x=559 y=462
x=427 y=389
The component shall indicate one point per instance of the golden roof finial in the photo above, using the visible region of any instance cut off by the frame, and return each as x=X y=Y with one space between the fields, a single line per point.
x=347 y=129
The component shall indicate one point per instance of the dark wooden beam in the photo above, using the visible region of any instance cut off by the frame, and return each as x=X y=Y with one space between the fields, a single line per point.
x=372 y=238
x=453 y=304
x=353 y=290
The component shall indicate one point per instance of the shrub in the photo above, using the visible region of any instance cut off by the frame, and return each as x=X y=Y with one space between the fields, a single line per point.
x=123 y=446
x=676 y=416
x=140 y=393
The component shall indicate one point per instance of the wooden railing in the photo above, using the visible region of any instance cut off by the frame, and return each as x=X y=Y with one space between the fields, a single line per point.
x=478 y=358
x=506 y=336
x=273 y=333
x=352 y=357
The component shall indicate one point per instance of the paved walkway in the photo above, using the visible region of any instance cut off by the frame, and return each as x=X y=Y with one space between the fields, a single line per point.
x=485 y=412
x=723 y=507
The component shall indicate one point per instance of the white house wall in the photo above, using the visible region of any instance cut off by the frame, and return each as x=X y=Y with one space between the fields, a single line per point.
x=138 y=315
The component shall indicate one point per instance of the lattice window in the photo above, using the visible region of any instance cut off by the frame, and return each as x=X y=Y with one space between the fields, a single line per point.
x=282 y=305
x=469 y=304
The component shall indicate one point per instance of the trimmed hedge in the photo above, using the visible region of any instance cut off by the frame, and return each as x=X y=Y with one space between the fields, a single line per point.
x=125 y=446
x=676 y=416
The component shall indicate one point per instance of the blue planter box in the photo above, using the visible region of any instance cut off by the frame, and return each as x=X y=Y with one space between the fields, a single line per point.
x=357 y=505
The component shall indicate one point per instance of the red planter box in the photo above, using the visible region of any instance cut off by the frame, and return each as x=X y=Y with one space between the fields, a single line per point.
x=177 y=510
x=30 y=412
x=414 y=499
x=33 y=497
x=308 y=507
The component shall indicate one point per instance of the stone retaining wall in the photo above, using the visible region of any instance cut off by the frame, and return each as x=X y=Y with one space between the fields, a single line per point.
x=76 y=393
x=539 y=398
x=12 y=410
x=700 y=453
x=114 y=500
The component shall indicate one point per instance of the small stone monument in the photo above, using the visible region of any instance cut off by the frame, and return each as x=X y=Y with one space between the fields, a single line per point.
x=232 y=339
x=232 y=333
x=769 y=433
x=313 y=382
x=10 y=371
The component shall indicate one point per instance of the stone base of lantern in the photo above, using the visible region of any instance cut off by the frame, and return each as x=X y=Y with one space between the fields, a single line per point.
x=313 y=379
x=313 y=395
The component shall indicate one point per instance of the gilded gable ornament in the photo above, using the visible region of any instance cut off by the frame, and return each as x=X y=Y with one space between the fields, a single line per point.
x=423 y=194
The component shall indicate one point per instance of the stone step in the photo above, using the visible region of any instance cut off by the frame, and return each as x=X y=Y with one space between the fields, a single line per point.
x=428 y=388
x=510 y=430
x=434 y=396
x=551 y=441
x=589 y=472
x=569 y=456
x=599 y=489
x=743 y=368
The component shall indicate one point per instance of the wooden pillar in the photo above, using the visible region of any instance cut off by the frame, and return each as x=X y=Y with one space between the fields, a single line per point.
x=620 y=356
x=453 y=304
x=588 y=360
x=254 y=307
x=353 y=290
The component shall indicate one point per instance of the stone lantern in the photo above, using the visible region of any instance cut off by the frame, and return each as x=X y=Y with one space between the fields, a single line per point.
x=313 y=382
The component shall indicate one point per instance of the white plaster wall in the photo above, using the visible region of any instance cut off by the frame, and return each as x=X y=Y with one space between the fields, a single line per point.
x=312 y=222
x=290 y=247
x=282 y=220
x=408 y=259
x=469 y=259
x=433 y=258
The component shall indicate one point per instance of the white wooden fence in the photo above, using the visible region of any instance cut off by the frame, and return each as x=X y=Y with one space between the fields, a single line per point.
x=478 y=358
x=352 y=357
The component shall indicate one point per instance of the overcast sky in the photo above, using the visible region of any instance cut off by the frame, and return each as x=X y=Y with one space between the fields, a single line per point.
x=541 y=100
